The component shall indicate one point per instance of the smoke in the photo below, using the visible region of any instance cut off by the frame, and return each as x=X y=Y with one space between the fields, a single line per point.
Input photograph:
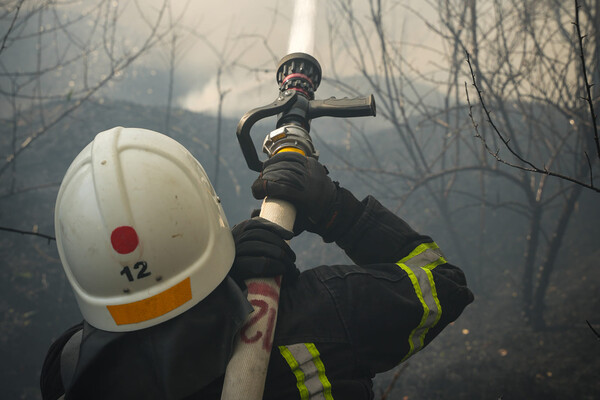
x=240 y=94
x=248 y=38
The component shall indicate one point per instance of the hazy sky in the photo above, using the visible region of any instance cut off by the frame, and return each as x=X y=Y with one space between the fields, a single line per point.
x=239 y=27
x=245 y=38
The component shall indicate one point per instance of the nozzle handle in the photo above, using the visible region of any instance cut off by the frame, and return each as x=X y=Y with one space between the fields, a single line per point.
x=283 y=103
x=331 y=107
x=342 y=108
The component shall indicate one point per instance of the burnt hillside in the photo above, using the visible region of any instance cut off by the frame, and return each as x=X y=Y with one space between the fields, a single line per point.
x=489 y=353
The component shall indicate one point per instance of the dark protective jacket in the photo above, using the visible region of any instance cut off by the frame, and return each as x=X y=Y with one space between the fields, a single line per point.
x=337 y=327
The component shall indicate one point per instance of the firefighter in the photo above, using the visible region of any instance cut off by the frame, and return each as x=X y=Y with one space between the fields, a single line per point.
x=159 y=279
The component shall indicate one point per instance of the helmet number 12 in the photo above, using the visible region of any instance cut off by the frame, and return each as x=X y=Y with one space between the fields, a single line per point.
x=142 y=273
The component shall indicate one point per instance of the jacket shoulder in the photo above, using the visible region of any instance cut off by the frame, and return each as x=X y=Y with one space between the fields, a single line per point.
x=51 y=384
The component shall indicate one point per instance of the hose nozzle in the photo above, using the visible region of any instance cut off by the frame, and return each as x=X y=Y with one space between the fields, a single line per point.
x=300 y=72
x=298 y=76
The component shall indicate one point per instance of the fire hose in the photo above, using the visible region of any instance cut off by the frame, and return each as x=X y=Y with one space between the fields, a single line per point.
x=298 y=77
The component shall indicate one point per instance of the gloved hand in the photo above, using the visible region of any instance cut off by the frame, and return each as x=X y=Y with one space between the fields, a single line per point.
x=302 y=181
x=322 y=206
x=261 y=251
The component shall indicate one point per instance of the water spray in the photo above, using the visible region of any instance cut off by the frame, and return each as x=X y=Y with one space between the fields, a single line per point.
x=302 y=30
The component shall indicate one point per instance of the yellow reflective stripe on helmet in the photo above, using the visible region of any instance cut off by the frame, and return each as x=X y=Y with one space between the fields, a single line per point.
x=418 y=265
x=305 y=362
x=152 y=307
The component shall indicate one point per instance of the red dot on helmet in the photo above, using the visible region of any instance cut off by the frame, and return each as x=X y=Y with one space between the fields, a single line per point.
x=124 y=239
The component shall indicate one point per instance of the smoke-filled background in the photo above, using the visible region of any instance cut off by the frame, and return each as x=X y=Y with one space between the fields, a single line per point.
x=486 y=139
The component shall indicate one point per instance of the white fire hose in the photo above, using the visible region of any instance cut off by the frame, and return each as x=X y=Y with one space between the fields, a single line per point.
x=247 y=370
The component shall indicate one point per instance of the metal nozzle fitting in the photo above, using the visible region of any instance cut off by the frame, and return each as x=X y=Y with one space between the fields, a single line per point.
x=300 y=72
x=289 y=136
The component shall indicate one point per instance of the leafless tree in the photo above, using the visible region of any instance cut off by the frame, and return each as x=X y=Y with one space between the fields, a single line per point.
x=229 y=53
x=176 y=44
x=431 y=132
x=527 y=62
x=56 y=56
x=537 y=66
x=575 y=50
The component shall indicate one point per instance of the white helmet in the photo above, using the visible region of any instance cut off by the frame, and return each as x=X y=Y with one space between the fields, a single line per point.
x=140 y=231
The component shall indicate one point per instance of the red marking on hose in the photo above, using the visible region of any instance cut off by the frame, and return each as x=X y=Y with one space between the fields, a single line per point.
x=297 y=75
x=124 y=239
x=263 y=289
x=263 y=307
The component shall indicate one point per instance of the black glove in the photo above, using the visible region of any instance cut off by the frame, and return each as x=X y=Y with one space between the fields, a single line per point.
x=261 y=251
x=303 y=182
x=322 y=206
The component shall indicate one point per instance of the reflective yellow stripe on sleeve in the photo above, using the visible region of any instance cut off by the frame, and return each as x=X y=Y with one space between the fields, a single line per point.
x=418 y=265
x=305 y=362
x=289 y=358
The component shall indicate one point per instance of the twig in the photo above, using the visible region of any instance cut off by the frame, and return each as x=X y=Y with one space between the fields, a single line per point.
x=506 y=142
x=593 y=330
x=29 y=189
x=399 y=372
x=491 y=122
x=588 y=86
x=12 y=24
x=590 y=167
x=119 y=65
x=3 y=228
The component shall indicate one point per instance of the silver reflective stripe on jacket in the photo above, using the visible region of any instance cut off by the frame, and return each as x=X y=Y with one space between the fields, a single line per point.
x=418 y=265
x=305 y=362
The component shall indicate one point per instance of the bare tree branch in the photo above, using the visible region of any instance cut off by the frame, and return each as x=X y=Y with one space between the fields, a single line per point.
x=388 y=390
x=2 y=228
x=588 y=86
x=506 y=141
x=593 y=330
x=116 y=68
x=12 y=24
